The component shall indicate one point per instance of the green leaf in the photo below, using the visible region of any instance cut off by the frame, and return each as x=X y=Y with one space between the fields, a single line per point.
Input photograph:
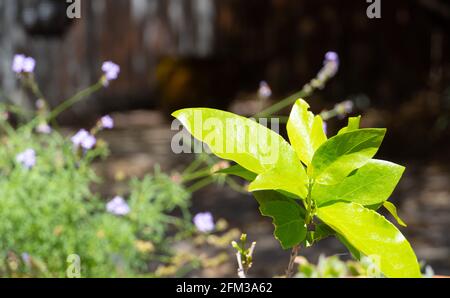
x=229 y=136
x=393 y=211
x=321 y=231
x=370 y=185
x=288 y=217
x=372 y=235
x=239 y=171
x=353 y=251
x=305 y=131
x=344 y=153
x=291 y=182
x=353 y=124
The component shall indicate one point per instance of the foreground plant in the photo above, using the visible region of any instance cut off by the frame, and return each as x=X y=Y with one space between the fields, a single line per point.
x=314 y=187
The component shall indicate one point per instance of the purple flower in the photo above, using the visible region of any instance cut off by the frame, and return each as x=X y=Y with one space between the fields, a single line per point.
x=107 y=122
x=111 y=71
x=27 y=158
x=330 y=68
x=40 y=104
x=26 y=258
x=22 y=64
x=79 y=137
x=344 y=108
x=325 y=127
x=204 y=222
x=44 y=128
x=331 y=57
x=84 y=139
x=264 y=91
x=88 y=142
x=118 y=206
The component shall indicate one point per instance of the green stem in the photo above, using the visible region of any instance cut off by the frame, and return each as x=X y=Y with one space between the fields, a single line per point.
x=309 y=203
x=35 y=88
x=192 y=166
x=282 y=104
x=200 y=184
x=75 y=99
x=199 y=174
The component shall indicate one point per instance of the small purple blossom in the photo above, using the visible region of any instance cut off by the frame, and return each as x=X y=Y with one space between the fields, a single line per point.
x=22 y=64
x=88 y=142
x=111 y=71
x=79 y=137
x=264 y=90
x=204 y=222
x=107 y=122
x=40 y=104
x=344 y=108
x=84 y=139
x=27 y=158
x=44 y=128
x=118 y=206
x=325 y=127
x=26 y=258
x=331 y=57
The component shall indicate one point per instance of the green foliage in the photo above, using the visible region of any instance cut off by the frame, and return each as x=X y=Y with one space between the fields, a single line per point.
x=372 y=235
x=305 y=131
x=333 y=267
x=49 y=212
x=369 y=185
x=339 y=187
x=393 y=211
x=288 y=217
x=343 y=154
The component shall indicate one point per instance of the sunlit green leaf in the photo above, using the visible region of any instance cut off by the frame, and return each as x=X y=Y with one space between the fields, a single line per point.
x=344 y=153
x=305 y=131
x=248 y=143
x=393 y=211
x=370 y=185
x=288 y=217
x=294 y=182
x=353 y=124
x=372 y=235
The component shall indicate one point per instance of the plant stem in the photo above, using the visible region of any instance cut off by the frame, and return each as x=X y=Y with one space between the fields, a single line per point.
x=294 y=254
x=73 y=100
x=282 y=104
x=200 y=184
x=195 y=175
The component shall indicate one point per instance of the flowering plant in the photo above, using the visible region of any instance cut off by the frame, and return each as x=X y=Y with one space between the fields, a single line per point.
x=314 y=186
x=48 y=210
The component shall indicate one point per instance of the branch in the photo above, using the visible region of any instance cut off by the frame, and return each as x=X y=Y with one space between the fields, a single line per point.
x=294 y=253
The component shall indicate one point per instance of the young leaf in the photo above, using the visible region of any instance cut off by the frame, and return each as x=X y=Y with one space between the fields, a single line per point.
x=288 y=217
x=344 y=153
x=353 y=124
x=291 y=182
x=370 y=185
x=239 y=171
x=393 y=211
x=305 y=131
x=229 y=136
x=372 y=235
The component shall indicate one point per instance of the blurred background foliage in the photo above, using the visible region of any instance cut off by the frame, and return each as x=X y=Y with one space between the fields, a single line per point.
x=185 y=53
